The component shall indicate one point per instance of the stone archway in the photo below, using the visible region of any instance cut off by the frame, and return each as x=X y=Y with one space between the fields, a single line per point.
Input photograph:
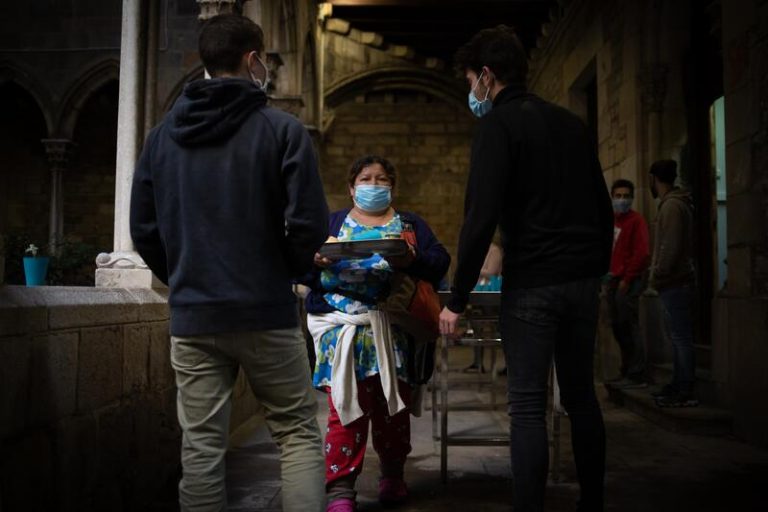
x=396 y=77
x=89 y=82
x=10 y=72
x=24 y=176
x=418 y=120
x=195 y=74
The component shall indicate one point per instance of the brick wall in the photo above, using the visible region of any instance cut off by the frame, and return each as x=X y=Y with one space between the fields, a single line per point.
x=88 y=401
x=427 y=140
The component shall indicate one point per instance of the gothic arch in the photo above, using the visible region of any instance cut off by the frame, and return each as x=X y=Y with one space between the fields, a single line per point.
x=10 y=72
x=387 y=78
x=195 y=74
x=79 y=92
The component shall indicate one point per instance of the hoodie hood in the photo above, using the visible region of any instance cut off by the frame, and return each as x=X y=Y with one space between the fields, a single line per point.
x=209 y=111
x=679 y=194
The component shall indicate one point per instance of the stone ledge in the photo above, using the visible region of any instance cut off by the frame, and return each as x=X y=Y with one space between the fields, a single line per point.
x=25 y=310
x=702 y=420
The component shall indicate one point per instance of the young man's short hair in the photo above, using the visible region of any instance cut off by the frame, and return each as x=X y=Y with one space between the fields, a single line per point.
x=665 y=171
x=500 y=49
x=622 y=183
x=224 y=39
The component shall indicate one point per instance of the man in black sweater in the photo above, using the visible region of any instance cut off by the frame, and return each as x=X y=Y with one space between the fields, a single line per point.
x=226 y=208
x=534 y=172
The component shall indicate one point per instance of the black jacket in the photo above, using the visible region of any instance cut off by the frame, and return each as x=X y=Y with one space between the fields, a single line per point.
x=227 y=207
x=534 y=172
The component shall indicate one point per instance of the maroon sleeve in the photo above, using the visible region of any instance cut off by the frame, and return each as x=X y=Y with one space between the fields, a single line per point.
x=639 y=255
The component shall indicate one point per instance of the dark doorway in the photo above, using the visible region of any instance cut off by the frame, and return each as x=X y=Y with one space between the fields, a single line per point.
x=703 y=85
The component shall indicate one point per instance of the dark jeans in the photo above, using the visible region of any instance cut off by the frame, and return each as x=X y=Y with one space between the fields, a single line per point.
x=538 y=324
x=678 y=309
x=626 y=329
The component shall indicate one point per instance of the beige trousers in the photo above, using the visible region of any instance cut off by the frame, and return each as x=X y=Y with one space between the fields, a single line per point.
x=275 y=363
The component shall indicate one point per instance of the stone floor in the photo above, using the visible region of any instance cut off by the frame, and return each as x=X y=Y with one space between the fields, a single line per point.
x=648 y=468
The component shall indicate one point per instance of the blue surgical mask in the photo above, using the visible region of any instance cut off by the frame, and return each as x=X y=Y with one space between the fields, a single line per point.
x=373 y=198
x=622 y=205
x=479 y=107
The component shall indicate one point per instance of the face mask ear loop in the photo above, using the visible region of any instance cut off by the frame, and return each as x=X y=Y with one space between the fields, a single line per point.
x=487 y=89
x=479 y=77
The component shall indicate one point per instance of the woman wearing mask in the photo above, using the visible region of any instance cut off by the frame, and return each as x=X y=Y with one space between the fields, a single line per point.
x=362 y=358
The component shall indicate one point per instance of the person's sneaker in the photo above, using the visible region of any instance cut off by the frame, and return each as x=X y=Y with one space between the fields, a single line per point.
x=341 y=505
x=667 y=390
x=677 y=400
x=392 y=492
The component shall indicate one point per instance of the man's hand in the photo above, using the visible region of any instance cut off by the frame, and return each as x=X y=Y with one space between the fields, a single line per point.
x=623 y=287
x=448 y=322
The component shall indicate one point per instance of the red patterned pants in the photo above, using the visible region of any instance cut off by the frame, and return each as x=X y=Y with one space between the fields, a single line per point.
x=391 y=435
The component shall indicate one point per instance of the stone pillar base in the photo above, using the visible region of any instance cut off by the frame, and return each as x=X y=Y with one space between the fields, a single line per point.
x=126 y=278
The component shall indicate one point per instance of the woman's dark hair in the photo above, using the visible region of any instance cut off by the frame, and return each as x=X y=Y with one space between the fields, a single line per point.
x=224 y=39
x=367 y=160
x=498 y=48
x=622 y=183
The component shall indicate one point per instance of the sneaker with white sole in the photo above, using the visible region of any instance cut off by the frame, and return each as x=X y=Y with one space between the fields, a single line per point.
x=678 y=400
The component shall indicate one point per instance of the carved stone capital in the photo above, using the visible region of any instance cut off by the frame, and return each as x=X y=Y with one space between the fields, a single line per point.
x=211 y=8
x=120 y=260
x=654 y=87
x=274 y=63
x=59 y=152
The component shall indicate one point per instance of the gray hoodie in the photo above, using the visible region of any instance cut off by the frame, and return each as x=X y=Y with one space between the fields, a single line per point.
x=672 y=263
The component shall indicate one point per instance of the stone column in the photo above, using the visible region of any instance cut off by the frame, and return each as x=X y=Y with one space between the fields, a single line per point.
x=124 y=268
x=58 y=152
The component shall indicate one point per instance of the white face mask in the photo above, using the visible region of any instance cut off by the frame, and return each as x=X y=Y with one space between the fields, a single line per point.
x=261 y=85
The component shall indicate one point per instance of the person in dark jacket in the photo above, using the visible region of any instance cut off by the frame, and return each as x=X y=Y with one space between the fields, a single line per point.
x=227 y=208
x=534 y=172
x=363 y=353
x=673 y=275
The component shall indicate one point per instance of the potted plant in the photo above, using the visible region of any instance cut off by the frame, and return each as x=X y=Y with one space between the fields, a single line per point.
x=35 y=266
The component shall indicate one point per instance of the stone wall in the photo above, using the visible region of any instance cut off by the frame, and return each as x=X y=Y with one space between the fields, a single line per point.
x=88 y=401
x=427 y=140
x=745 y=307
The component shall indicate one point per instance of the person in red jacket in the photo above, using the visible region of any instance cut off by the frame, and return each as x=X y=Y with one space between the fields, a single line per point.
x=629 y=261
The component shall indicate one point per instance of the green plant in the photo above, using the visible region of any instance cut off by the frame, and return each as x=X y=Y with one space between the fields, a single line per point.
x=32 y=251
x=14 y=250
x=74 y=264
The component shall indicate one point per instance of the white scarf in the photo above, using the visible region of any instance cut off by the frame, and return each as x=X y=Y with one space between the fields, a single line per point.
x=343 y=379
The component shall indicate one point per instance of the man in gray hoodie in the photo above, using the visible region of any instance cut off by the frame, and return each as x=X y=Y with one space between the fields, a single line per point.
x=674 y=277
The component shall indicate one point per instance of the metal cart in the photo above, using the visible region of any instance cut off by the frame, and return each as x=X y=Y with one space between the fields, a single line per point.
x=483 y=307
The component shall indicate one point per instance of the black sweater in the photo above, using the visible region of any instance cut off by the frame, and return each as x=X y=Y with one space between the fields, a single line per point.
x=227 y=207
x=534 y=172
